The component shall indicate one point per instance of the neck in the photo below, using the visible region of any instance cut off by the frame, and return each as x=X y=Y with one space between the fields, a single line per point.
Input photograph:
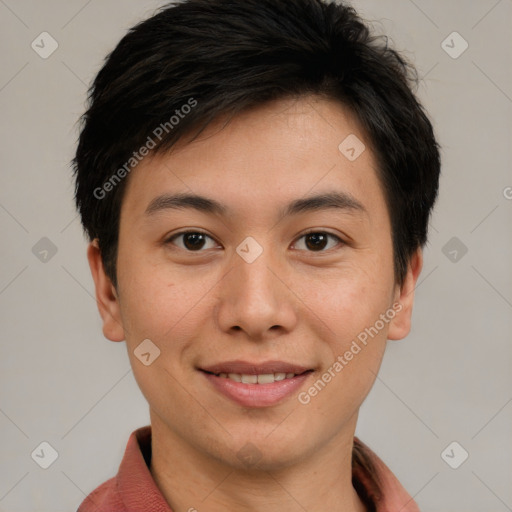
x=192 y=481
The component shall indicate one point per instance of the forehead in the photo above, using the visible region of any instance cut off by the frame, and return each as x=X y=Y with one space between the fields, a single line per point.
x=269 y=155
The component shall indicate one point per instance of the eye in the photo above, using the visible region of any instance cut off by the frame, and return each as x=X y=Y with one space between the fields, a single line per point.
x=314 y=241
x=318 y=241
x=192 y=241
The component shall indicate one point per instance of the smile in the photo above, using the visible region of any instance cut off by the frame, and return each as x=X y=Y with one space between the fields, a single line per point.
x=256 y=385
x=264 y=378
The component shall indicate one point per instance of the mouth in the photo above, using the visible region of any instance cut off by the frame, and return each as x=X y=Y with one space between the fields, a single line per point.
x=262 y=378
x=256 y=385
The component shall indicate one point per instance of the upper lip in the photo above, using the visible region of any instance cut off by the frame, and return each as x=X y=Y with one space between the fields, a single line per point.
x=248 y=368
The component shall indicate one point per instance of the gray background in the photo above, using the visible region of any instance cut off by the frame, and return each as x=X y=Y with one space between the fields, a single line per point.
x=63 y=383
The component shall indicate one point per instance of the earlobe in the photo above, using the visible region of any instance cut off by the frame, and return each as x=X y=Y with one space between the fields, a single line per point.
x=106 y=296
x=401 y=324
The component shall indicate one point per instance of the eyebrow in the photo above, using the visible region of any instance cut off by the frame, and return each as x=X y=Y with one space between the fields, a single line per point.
x=323 y=201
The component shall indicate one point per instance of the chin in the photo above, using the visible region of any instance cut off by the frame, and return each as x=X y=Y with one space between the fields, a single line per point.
x=261 y=452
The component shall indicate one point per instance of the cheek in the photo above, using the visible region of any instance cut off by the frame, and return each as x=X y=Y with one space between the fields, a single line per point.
x=167 y=310
x=360 y=312
x=352 y=301
x=155 y=302
x=356 y=343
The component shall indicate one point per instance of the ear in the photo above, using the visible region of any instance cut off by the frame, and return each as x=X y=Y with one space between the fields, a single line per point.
x=401 y=324
x=106 y=295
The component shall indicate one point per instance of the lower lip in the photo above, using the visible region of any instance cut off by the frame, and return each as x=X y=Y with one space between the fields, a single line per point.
x=257 y=395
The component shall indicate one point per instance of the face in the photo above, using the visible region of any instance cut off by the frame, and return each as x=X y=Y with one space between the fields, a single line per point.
x=255 y=259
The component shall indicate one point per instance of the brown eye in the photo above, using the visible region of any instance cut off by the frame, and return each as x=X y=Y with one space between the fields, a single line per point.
x=192 y=240
x=318 y=241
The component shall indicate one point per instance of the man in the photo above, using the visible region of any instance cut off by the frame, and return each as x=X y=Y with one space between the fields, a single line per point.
x=256 y=179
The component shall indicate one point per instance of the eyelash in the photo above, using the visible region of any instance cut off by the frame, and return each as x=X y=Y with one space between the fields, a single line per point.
x=313 y=231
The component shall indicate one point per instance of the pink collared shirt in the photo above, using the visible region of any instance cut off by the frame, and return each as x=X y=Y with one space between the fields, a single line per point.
x=134 y=490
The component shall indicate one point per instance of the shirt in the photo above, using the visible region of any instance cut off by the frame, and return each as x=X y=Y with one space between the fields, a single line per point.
x=134 y=490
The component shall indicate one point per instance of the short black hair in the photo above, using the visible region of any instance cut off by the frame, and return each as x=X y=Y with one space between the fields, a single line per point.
x=195 y=61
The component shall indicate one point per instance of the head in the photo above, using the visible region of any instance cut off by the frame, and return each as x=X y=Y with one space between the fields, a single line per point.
x=248 y=105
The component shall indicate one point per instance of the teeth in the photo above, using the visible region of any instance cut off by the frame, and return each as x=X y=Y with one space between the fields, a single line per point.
x=266 y=378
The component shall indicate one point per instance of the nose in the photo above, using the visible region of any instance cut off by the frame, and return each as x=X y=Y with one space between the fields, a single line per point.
x=255 y=299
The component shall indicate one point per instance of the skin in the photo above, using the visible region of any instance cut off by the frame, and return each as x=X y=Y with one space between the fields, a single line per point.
x=293 y=304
